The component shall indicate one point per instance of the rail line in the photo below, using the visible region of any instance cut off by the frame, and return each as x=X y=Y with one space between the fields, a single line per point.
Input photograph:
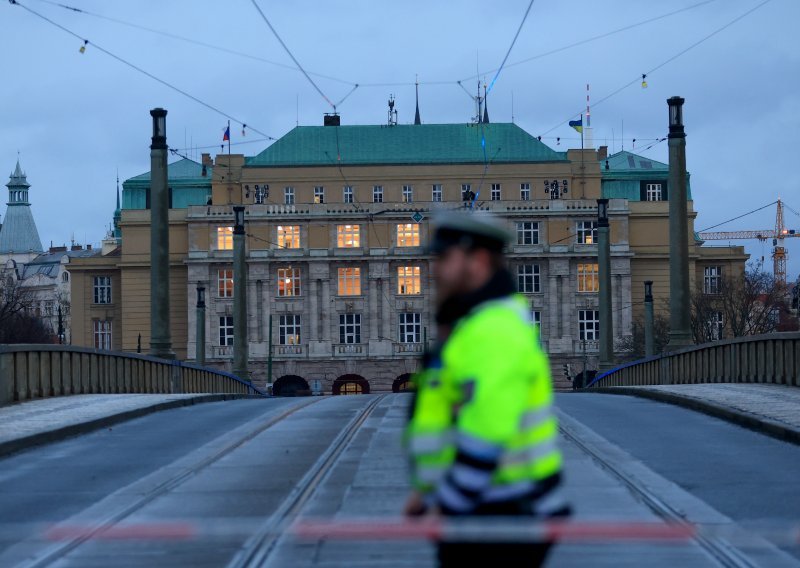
x=725 y=554
x=66 y=546
x=257 y=549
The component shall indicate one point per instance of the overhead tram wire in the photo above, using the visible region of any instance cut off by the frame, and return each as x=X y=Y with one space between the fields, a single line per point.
x=594 y=38
x=738 y=217
x=290 y=54
x=665 y=62
x=139 y=69
x=191 y=41
x=510 y=47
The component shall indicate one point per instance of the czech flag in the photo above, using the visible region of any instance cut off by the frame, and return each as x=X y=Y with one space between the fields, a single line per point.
x=576 y=124
x=227 y=136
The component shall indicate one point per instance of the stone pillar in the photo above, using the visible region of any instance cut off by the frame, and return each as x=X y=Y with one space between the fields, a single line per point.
x=200 y=336
x=680 y=334
x=374 y=318
x=160 y=340
x=552 y=311
x=240 y=339
x=313 y=314
x=326 y=309
x=604 y=274
x=649 y=322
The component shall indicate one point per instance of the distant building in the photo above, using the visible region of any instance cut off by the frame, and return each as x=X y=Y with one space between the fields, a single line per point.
x=19 y=237
x=337 y=222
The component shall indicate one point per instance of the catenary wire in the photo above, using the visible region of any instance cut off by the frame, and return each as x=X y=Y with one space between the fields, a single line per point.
x=139 y=69
x=665 y=62
x=738 y=217
x=510 y=47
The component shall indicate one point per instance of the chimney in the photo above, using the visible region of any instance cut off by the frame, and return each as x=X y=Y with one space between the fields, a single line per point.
x=332 y=119
x=602 y=153
x=58 y=249
x=206 y=160
x=88 y=247
x=76 y=247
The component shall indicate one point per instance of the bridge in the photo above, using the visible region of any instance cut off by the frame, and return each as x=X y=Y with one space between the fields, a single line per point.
x=658 y=466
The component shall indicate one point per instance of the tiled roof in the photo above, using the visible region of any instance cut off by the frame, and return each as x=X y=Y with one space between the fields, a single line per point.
x=18 y=233
x=405 y=144
x=628 y=162
x=182 y=170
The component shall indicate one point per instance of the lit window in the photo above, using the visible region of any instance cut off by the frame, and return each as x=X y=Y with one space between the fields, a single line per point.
x=377 y=194
x=712 y=278
x=525 y=191
x=224 y=238
x=496 y=192
x=408 y=194
x=349 y=281
x=102 y=334
x=288 y=195
x=289 y=236
x=528 y=279
x=348 y=236
x=409 y=327
x=319 y=194
x=225 y=331
x=436 y=192
x=527 y=233
x=225 y=282
x=102 y=289
x=588 y=280
x=409 y=280
x=653 y=191
x=349 y=328
x=288 y=282
x=289 y=330
x=587 y=232
x=347 y=194
x=408 y=235
x=588 y=325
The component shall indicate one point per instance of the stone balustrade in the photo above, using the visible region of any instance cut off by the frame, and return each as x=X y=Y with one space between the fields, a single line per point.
x=38 y=371
x=772 y=358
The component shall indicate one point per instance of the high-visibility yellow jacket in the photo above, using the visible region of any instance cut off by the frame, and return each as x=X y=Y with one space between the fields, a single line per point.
x=482 y=429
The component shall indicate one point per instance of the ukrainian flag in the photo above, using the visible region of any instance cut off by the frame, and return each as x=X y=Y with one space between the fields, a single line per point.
x=577 y=124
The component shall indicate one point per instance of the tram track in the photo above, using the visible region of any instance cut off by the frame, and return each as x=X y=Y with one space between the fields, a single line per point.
x=109 y=520
x=257 y=550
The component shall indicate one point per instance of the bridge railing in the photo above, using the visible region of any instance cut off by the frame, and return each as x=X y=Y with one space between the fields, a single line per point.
x=772 y=358
x=38 y=371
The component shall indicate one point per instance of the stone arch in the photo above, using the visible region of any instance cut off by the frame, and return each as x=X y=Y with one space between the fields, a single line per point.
x=291 y=385
x=403 y=383
x=351 y=384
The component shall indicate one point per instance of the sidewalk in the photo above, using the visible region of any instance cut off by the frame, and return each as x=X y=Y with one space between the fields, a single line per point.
x=46 y=420
x=773 y=410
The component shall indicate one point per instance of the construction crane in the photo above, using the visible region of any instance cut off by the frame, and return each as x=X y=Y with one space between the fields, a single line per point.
x=778 y=234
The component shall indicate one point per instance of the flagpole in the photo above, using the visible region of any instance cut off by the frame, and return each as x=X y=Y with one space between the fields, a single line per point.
x=229 y=143
x=562 y=123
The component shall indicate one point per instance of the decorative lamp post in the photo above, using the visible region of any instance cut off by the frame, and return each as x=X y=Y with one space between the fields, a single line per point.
x=240 y=341
x=160 y=340
x=200 y=341
x=604 y=274
x=680 y=334
x=649 y=332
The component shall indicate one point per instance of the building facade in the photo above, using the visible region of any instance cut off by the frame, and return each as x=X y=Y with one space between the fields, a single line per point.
x=339 y=290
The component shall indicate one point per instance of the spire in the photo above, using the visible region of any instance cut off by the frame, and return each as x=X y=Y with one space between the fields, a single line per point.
x=485 y=106
x=19 y=233
x=416 y=115
x=117 y=231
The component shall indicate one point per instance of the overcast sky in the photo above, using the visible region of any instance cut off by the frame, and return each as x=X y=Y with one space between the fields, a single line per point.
x=77 y=118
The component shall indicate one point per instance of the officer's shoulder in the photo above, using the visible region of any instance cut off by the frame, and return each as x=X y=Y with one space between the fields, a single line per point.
x=500 y=317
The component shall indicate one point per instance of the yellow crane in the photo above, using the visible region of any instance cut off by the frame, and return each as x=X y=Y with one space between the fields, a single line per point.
x=778 y=234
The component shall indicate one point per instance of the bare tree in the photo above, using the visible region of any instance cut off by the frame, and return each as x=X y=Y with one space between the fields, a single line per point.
x=748 y=304
x=633 y=345
x=18 y=324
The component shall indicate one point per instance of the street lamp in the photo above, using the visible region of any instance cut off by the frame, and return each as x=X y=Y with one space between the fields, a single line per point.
x=201 y=296
x=159 y=128
x=675 y=114
x=602 y=212
x=648 y=290
x=200 y=339
x=238 y=220
x=649 y=322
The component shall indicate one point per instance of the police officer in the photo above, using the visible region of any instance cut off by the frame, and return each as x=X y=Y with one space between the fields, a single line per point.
x=482 y=435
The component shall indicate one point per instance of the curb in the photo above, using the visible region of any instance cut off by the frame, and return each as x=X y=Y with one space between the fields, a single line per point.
x=764 y=426
x=58 y=434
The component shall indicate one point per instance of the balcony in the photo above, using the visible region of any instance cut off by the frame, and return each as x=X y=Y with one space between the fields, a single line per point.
x=406 y=348
x=590 y=345
x=350 y=349
x=221 y=351
x=290 y=350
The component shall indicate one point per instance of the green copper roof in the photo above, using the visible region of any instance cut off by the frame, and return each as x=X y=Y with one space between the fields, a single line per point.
x=183 y=170
x=405 y=144
x=628 y=162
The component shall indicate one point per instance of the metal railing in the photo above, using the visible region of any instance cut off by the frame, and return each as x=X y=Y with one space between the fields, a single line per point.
x=38 y=371
x=773 y=358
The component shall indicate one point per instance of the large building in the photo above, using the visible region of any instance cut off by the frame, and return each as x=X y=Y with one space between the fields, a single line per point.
x=337 y=221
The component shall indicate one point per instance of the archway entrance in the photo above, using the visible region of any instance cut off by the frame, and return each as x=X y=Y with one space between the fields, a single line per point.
x=291 y=385
x=351 y=384
x=403 y=383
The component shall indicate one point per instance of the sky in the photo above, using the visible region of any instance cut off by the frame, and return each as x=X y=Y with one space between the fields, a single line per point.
x=76 y=119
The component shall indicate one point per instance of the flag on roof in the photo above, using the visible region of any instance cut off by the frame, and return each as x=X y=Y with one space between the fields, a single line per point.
x=227 y=136
x=577 y=124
